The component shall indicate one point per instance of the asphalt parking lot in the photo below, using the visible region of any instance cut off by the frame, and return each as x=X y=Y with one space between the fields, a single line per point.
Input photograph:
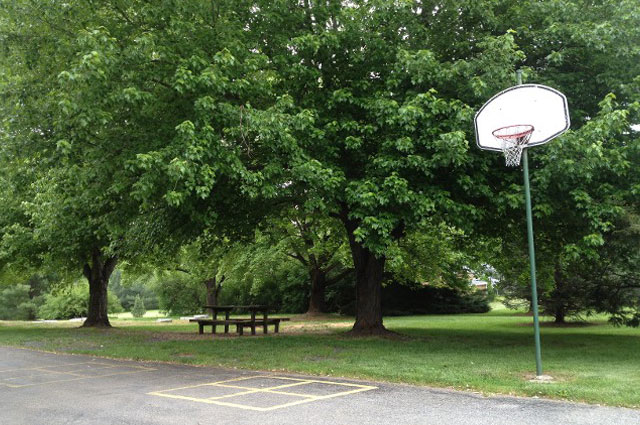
x=45 y=388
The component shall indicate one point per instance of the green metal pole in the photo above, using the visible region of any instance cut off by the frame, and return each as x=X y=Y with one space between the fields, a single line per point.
x=532 y=262
x=532 y=254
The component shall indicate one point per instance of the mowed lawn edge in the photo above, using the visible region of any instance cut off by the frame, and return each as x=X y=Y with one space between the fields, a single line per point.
x=488 y=353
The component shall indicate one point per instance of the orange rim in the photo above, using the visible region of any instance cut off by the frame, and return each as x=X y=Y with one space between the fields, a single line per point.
x=528 y=130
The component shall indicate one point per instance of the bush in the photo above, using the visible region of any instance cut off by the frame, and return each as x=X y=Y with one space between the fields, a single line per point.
x=271 y=279
x=15 y=303
x=138 y=309
x=180 y=295
x=73 y=302
x=127 y=288
x=400 y=300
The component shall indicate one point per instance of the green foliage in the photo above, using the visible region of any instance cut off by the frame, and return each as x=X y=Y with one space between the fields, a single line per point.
x=583 y=193
x=72 y=302
x=138 y=309
x=129 y=286
x=135 y=130
x=433 y=255
x=178 y=294
x=263 y=274
x=610 y=283
x=403 y=300
x=15 y=303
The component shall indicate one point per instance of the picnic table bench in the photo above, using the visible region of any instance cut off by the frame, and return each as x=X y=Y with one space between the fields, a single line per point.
x=240 y=324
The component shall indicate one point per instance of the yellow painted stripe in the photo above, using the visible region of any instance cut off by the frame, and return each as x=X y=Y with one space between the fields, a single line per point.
x=199 y=385
x=232 y=395
x=77 y=379
x=346 y=384
x=204 y=400
x=41 y=367
x=306 y=398
x=290 y=394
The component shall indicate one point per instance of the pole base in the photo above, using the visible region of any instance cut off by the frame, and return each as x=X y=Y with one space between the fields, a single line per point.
x=542 y=379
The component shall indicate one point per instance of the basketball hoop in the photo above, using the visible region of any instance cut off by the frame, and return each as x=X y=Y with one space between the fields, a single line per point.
x=513 y=139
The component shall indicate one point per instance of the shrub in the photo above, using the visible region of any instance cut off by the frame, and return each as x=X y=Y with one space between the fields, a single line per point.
x=127 y=287
x=277 y=282
x=180 y=295
x=400 y=299
x=138 y=309
x=73 y=302
x=15 y=303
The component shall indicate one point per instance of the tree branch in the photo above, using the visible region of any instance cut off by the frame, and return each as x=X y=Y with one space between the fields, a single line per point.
x=180 y=269
x=299 y=258
x=339 y=276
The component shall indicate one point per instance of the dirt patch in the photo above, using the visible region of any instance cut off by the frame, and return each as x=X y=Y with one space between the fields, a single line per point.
x=317 y=317
x=295 y=327
x=184 y=336
x=290 y=329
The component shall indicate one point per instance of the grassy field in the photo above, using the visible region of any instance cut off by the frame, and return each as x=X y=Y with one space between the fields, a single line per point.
x=490 y=353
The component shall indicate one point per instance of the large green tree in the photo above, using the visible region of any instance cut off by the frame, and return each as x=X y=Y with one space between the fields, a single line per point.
x=584 y=190
x=584 y=183
x=318 y=243
x=141 y=126
x=88 y=88
x=386 y=149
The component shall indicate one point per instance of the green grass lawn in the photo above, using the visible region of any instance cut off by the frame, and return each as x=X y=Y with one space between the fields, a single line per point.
x=150 y=314
x=490 y=353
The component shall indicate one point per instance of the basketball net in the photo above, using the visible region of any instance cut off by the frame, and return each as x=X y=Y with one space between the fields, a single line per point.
x=513 y=138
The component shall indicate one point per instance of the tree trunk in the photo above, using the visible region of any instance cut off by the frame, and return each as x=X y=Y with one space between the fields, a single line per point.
x=559 y=309
x=213 y=290
x=317 y=302
x=212 y=298
x=369 y=270
x=98 y=274
x=369 y=294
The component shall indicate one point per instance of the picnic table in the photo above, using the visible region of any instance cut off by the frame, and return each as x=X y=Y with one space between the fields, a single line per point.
x=240 y=324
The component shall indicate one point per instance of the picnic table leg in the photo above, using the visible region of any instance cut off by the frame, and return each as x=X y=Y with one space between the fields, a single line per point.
x=215 y=317
x=226 y=325
x=265 y=322
x=240 y=329
x=200 y=328
x=253 y=322
x=277 y=326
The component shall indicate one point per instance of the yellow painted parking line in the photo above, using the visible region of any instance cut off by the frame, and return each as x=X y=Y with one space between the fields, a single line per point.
x=76 y=378
x=57 y=366
x=305 y=398
x=242 y=378
x=321 y=397
x=359 y=390
x=233 y=395
x=41 y=367
x=291 y=394
x=265 y=388
x=206 y=384
x=315 y=398
x=46 y=373
x=185 y=397
x=346 y=384
x=210 y=401
x=281 y=406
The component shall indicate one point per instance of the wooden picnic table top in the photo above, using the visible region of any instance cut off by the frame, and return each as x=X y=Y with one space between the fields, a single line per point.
x=239 y=307
x=240 y=323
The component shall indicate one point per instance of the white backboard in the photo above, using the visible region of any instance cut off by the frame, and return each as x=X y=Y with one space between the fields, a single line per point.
x=528 y=104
